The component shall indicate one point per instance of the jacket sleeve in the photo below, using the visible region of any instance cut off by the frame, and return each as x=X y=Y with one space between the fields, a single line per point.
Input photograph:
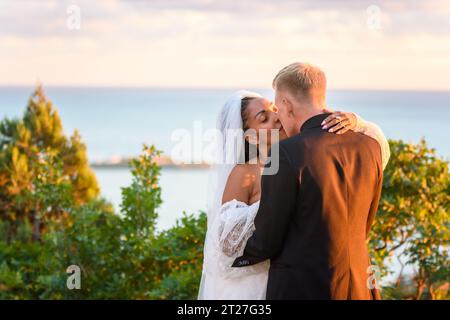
x=278 y=201
x=375 y=201
x=376 y=295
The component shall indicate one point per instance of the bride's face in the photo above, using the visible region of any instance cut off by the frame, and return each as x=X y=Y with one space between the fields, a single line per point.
x=261 y=114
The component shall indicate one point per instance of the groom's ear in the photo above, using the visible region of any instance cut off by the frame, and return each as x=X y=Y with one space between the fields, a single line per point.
x=288 y=105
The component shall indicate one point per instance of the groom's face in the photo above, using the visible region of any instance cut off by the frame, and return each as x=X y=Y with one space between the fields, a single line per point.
x=283 y=103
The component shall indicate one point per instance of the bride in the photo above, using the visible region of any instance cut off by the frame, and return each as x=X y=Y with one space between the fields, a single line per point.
x=237 y=192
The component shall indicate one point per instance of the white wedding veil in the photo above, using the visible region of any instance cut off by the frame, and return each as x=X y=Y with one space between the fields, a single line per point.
x=230 y=146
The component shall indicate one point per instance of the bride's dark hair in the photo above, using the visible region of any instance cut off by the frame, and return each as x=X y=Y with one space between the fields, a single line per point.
x=249 y=150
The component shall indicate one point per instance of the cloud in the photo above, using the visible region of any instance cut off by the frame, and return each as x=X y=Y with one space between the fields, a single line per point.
x=48 y=17
x=223 y=43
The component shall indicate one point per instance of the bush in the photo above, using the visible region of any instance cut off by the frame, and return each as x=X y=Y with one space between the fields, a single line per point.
x=413 y=218
x=179 y=255
x=121 y=257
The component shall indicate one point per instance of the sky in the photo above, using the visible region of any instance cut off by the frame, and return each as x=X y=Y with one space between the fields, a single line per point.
x=385 y=44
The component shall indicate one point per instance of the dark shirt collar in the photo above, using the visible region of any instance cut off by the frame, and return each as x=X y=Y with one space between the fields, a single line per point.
x=314 y=122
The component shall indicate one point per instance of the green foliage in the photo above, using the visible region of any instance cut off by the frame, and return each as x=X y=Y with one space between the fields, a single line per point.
x=121 y=256
x=51 y=218
x=143 y=196
x=179 y=259
x=42 y=173
x=413 y=219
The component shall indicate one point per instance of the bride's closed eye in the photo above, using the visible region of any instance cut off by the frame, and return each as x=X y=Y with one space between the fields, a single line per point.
x=264 y=119
x=262 y=116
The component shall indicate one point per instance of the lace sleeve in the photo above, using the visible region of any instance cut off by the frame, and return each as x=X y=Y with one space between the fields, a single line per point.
x=226 y=240
x=236 y=226
x=374 y=131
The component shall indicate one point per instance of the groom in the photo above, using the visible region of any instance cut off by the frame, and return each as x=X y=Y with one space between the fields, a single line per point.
x=316 y=212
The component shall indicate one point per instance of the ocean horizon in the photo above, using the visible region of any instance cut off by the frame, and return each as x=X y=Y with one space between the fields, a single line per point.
x=115 y=121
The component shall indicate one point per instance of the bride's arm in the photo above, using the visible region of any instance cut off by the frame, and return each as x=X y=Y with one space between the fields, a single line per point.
x=374 y=131
x=228 y=236
x=340 y=122
x=235 y=224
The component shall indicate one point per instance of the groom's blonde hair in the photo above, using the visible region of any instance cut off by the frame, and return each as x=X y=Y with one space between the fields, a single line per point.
x=303 y=80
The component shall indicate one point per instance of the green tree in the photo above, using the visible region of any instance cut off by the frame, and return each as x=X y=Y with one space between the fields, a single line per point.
x=413 y=220
x=123 y=256
x=41 y=171
x=51 y=218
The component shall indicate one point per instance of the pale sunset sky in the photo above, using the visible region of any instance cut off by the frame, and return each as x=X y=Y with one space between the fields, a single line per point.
x=385 y=44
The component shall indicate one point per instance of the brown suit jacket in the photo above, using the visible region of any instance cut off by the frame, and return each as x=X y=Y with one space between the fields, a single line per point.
x=315 y=215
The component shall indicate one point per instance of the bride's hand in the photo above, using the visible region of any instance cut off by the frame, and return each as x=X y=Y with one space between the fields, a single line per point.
x=340 y=122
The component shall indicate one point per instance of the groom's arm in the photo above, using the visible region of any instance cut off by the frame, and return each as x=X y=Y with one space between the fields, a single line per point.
x=278 y=200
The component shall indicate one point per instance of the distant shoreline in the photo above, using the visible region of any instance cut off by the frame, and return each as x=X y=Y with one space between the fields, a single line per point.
x=171 y=167
x=162 y=161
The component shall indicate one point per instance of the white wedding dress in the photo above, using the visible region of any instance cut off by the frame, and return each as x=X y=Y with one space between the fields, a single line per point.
x=230 y=225
x=230 y=232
